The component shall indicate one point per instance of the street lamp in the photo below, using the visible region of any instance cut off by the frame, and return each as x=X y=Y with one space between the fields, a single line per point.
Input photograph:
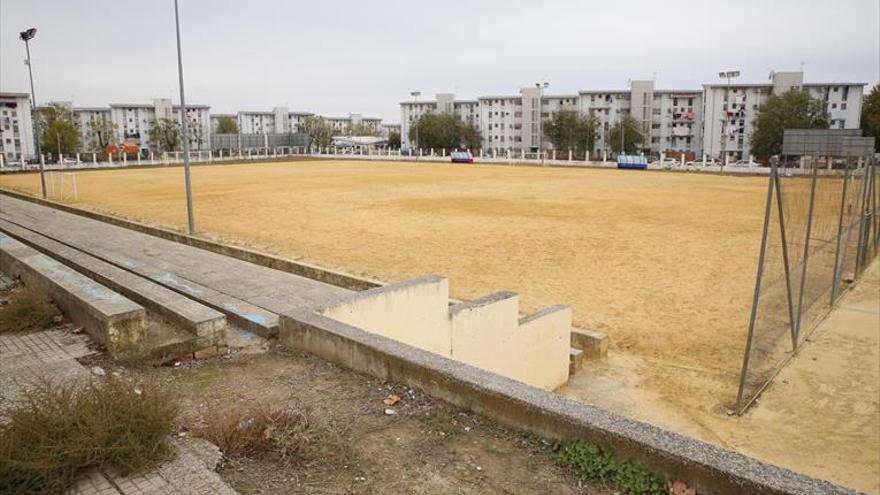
x=26 y=36
x=728 y=74
x=541 y=87
x=415 y=95
x=191 y=226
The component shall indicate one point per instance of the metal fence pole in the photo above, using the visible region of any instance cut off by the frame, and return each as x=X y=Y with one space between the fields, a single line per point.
x=784 y=239
x=835 y=280
x=806 y=253
x=756 y=296
x=863 y=217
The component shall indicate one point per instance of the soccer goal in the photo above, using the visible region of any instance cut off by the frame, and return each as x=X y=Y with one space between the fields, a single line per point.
x=61 y=186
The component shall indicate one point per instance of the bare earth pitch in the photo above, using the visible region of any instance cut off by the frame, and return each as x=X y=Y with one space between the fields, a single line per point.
x=662 y=262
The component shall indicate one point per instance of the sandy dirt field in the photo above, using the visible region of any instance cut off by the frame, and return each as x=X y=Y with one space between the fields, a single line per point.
x=662 y=262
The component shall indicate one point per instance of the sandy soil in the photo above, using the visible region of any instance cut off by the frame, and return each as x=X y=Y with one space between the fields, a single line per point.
x=662 y=262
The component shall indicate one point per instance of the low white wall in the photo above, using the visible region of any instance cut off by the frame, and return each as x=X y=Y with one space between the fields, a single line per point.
x=486 y=333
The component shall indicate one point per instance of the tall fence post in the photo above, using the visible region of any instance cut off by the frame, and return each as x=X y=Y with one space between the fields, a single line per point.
x=806 y=256
x=787 y=270
x=835 y=278
x=757 y=294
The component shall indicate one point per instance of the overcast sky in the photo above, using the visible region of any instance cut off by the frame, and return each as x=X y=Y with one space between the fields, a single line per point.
x=336 y=57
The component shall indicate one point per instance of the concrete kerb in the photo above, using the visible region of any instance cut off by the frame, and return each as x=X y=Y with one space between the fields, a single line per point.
x=707 y=468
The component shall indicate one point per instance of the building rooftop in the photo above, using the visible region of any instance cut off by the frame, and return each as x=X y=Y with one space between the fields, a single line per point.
x=14 y=95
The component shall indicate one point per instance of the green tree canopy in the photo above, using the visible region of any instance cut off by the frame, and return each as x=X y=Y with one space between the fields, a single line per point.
x=165 y=135
x=794 y=109
x=101 y=132
x=393 y=139
x=443 y=131
x=227 y=125
x=871 y=116
x=569 y=131
x=59 y=132
x=320 y=133
x=627 y=132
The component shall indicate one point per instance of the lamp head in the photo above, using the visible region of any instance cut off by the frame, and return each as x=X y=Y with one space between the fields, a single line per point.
x=28 y=34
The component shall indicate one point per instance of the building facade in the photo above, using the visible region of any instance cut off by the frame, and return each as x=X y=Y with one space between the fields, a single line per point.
x=731 y=110
x=714 y=121
x=16 y=128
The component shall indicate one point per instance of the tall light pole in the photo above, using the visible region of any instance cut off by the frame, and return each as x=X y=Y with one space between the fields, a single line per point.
x=727 y=74
x=541 y=87
x=26 y=36
x=191 y=225
x=415 y=94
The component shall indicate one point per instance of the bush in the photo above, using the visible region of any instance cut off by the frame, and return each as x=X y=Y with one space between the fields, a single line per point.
x=592 y=462
x=256 y=430
x=57 y=431
x=28 y=310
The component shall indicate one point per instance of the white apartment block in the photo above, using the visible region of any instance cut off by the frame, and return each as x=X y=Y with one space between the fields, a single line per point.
x=16 y=128
x=709 y=121
x=133 y=121
x=387 y=129
x=467 y=110
x=83 y=118
x=731 y=111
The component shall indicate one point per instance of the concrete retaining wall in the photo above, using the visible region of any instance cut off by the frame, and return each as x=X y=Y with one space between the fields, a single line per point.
x=486 y=333
x=712 y=471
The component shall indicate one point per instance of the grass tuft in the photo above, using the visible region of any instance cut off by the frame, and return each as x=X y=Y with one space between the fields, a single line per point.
x=591 y=462
x=57 y=431
x=27 y=310
x=256 y=430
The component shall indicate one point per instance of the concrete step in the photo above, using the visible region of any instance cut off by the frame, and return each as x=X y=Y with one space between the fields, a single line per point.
x=108 y=317
x=593 y=344
x=575 y=361
x=179 y=310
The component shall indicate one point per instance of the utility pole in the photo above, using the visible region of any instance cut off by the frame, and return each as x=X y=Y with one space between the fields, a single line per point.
x=26 y=36
x=191 y=226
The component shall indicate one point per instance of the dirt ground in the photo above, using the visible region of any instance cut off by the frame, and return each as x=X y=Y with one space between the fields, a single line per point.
x=662 y=262
x=423 y=448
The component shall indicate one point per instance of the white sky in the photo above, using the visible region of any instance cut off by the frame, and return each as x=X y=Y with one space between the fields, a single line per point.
x=339 y=56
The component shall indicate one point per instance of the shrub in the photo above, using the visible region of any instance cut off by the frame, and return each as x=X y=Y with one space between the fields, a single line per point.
x=28 y=310
x=592 y=462
x=59 y=430
x=256 y=430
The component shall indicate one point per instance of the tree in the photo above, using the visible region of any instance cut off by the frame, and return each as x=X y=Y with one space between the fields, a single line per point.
x=101 y=131
x=443 y=131
x=794 y=109
x=59 y=132
x=569 y=131
x=393 y=139
x=871 y=116
x=319 y=132
x=631 y=136
x=227 y=125
x=196 y=134
x=363 y=130
x=165 y=135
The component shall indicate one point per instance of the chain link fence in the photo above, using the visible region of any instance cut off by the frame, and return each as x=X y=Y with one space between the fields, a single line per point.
x=820 y=231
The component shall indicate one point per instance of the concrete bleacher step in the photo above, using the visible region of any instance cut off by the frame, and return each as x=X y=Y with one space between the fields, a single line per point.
x=179 y=310
x=237 y=311
x=108 y=317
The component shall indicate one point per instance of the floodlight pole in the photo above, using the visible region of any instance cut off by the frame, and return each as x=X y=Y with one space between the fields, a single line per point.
x=27 y=36
x=191 y=227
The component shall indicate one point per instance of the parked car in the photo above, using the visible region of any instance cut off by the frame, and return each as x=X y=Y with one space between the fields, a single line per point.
x=69 y=161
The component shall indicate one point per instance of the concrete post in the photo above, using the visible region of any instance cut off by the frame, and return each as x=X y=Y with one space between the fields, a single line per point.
x=2 y=161
x=704 y=159
x=42 y=159
x=682 y=160
x=569 y=155
x=77 y=158
x=662 y=157
x=152 y=156
x=110 y=158
x=522 y=154
x=95 y=158
x=553 y=155
x=604 y=156
x=420 y=152
x=494 y=152
x=139 y=157
x=124 y=158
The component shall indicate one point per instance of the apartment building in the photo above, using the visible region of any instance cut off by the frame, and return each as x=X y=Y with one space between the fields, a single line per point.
x=411 y=111
x=731 y=110
x=133 y=121
x=387 y=129
x=86 y=119
x=16 y=128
